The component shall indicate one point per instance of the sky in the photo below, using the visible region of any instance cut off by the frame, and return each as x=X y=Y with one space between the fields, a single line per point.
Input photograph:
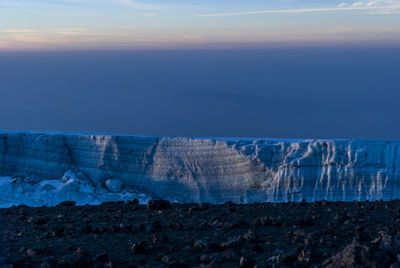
x=281 y=68
x=129 y=24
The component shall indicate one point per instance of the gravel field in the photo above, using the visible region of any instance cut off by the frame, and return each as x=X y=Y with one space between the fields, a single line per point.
x=319 y=234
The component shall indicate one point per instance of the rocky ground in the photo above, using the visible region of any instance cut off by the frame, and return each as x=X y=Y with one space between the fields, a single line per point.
x=319 y=234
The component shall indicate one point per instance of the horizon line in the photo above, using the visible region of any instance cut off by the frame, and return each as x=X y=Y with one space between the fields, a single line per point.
x=395 y=43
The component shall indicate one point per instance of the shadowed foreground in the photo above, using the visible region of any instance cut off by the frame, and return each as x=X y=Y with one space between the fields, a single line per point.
x=320 y=234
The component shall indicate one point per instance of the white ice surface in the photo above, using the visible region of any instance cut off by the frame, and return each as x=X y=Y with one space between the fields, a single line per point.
x=16 y=192
x=214 y=170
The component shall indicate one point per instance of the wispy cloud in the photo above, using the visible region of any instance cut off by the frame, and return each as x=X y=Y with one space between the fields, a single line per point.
x=387 y=6
x=38 y=38
x=136 y=4
x=124 y=3
x=151 y=14
x=358 y=4
x=16 y=31
x=83 y=38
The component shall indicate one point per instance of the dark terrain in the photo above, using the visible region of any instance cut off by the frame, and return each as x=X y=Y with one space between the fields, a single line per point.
x=319 y=234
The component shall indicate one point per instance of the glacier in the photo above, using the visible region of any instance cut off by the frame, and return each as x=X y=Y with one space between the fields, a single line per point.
x=46 y=168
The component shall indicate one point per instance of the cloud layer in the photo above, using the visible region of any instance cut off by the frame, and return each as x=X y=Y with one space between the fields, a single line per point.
x=387 y=6
x=75 y=24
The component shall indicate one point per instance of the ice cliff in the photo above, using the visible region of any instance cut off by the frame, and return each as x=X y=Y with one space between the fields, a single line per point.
x=33 y=165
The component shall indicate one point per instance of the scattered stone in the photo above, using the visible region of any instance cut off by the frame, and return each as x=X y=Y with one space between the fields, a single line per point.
x=40 y=220
x=158 y=240
x=192 y=209
x=178 y=265
x=200 y=244
x=68 y=260
x=116 y=228
x=250 y=236
x=395 y=265
x=81 y=252
x=233 y=242
x=30 y=252
x=266 y=221
x=57 y=231
x=245 y=262
x=228 y=204
x=255 y=235
x=140 y=248
x=232 y=225
x=218 y=258
x=303 y=202
x=102 y=257
x=257 y=248
x=187 y=248
x=87 y=229
x=357 y=255
x=98 y=230
x=274 y=261
x=158 y=204
x=45 y=265
x=133 y=202
x=205 y=259
x=165 y=259
x=67 y=204
x=214 y=247
x=231 y=255
x=289 y=258
x=156 y=226
x=361 y=233
x=3 y=261
x=306 y=221
x=203 y=206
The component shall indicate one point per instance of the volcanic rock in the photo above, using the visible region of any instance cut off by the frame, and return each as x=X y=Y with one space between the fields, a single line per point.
x=158 y=204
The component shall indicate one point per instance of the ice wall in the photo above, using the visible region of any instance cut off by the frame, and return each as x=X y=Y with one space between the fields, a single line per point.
x=210 y=169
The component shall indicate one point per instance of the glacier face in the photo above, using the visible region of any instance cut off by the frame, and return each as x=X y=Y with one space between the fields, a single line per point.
x=203 y=169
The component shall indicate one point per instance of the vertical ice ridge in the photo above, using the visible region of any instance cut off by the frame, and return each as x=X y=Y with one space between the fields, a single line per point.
x=337 y=170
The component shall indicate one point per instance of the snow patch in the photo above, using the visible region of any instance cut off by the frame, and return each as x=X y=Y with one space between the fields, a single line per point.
x=18 y=191
x=114 y=186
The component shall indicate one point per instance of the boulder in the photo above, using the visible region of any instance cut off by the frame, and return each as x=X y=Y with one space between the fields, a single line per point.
x=114 y=185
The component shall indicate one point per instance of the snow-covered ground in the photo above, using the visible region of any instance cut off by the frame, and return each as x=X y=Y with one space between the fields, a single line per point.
x=34 y=193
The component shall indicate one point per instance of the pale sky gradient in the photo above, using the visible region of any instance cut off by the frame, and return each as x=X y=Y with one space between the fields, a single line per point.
x=127 y=24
